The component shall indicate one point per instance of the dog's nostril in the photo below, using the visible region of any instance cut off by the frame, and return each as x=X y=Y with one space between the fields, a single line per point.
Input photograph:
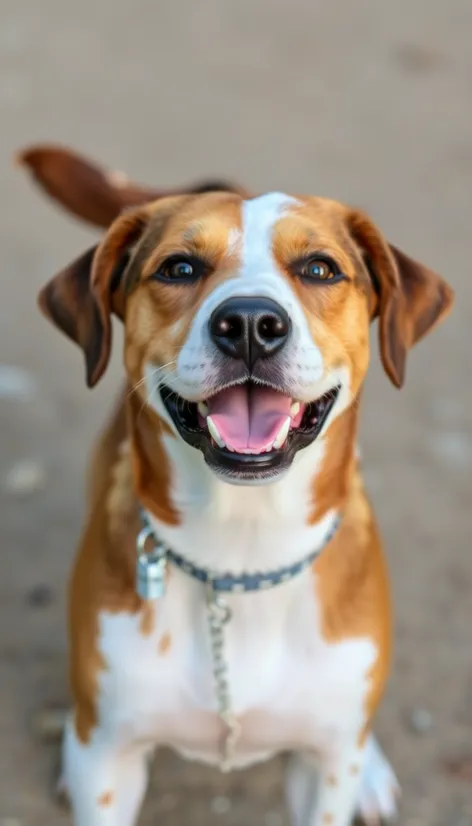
x=230 y=327
x=270 y=327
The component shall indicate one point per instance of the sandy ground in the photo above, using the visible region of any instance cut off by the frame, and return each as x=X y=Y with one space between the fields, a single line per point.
x=365 y=101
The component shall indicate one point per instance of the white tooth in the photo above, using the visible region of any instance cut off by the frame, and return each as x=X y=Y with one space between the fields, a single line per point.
x=269 y=447
x=202 y=409
x=283 y=433
x=295 y=409
x=214 y=432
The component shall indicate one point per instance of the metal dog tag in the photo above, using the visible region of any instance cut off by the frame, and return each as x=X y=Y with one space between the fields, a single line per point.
x=150 y=567
x=151 y=575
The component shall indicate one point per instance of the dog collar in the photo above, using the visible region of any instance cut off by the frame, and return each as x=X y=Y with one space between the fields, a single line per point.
x=151 y=567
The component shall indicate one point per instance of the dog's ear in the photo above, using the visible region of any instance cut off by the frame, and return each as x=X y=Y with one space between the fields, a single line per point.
x=410 y=298
x=81 y=298
x=91 y=192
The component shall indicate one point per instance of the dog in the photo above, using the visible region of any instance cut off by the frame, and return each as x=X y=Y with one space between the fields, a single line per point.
x=229 y=597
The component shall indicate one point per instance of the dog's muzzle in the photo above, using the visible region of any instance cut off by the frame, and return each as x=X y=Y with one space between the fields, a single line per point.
x=249 y=427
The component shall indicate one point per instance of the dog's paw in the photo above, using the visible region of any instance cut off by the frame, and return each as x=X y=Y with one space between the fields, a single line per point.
x=379 y=792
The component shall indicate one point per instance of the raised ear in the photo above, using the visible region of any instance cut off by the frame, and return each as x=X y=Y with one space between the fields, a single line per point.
x=91 y=192
x=80 y=299
x=410 y=298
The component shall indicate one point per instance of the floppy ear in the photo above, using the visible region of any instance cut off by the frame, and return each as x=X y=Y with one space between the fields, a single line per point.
x=91 y=192
x=411 y=299
x=80 y=299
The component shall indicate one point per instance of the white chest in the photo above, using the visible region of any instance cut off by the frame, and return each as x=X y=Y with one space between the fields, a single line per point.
x=288 y=687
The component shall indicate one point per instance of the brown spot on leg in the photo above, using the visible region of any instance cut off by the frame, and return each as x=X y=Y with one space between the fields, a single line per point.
x=328 y=819
x=331 y=780
x=354 y=769
x=105 y=799
x=164 y=643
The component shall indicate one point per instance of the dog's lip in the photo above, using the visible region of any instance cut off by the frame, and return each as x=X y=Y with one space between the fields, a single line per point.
x=231 y=463
x=213 y=391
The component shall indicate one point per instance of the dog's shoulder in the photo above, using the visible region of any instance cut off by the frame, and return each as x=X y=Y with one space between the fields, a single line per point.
x=353 y=584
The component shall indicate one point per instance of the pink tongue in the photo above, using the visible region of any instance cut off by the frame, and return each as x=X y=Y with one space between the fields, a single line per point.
x=249 y=417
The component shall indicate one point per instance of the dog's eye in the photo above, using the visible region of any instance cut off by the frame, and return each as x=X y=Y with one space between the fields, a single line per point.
x=180 y=269
x=318 y=269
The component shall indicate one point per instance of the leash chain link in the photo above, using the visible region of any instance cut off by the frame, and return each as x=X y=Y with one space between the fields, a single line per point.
x=219 y=614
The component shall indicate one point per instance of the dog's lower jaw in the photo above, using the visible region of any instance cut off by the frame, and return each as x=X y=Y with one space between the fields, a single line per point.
x=259 y=480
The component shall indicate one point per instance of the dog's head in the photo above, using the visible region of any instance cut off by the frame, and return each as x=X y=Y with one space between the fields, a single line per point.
x=246 y=318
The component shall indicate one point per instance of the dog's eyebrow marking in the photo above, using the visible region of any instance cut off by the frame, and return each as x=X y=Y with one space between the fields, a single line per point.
x=191 y=232
x=234 y=240
x=212 y=236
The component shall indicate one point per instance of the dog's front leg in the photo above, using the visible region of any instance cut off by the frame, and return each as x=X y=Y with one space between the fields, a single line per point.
x=105 y=784
x=377 y=795
x=324 y=792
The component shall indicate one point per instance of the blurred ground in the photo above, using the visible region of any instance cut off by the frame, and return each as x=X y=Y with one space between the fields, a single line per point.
x=364 y=101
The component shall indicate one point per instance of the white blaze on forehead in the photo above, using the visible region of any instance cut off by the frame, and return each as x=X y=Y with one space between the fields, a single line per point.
x=255 y=272
x=259 y=217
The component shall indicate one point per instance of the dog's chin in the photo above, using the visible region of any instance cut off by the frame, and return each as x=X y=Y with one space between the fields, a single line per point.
x=261 y=458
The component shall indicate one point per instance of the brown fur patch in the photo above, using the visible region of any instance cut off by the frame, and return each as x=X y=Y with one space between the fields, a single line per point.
x=148 y=619
x=105 y=799
x=331 y=485
x=352 y=587
x=150 y=464
x=165 y=643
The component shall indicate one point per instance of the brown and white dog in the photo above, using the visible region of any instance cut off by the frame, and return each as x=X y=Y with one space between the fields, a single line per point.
x=246 y=323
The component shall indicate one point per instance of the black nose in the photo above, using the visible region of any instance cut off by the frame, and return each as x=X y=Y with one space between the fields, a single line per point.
x=249 y=328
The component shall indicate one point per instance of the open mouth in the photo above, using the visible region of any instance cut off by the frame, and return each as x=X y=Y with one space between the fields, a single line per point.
x=249 y=431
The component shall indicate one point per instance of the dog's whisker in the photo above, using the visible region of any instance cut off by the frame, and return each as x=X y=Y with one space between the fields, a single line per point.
x=155 y=372
x=153 y=390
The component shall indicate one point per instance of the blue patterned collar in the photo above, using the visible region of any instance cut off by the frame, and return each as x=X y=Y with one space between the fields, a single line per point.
x=220 y=583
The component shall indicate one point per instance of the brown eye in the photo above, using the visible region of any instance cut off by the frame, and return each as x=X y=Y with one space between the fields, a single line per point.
x=318 y=269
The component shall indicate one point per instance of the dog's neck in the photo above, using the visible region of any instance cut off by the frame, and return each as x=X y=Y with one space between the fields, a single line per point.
x=248 y=527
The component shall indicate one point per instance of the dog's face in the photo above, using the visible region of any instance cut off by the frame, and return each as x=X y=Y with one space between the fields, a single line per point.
x=246 y=319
